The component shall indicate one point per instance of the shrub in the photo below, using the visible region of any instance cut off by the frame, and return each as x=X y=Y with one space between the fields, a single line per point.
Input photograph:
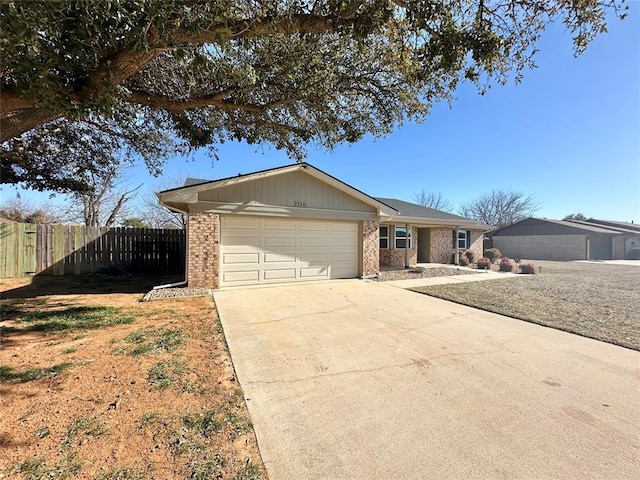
x=493 y=254
x=112 y=268
x=505 y=265
x=483 y=264
x=470 y=256
x=527 y=268
x=634 y=254
x=464 y=261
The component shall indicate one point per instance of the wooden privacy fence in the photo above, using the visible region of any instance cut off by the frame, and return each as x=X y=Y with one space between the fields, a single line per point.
x=28 y=249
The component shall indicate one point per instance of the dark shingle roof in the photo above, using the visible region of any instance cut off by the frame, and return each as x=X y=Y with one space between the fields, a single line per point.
x=195 y=181
x=406 y=209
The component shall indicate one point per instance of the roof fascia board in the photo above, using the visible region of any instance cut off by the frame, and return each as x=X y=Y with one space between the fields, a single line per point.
x=280 y=211
x=436 y=222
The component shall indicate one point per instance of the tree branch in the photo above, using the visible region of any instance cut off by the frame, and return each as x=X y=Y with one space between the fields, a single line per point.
x=174 y=106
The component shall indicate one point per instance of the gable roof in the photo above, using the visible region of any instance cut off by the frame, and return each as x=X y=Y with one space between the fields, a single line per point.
x=417 y=214
x=627 y=226
x=178 y=198
x=545 y=226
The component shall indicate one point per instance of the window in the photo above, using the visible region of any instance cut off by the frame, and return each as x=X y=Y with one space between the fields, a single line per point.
x=462 y=239
x=384 y=237
x=401 y=237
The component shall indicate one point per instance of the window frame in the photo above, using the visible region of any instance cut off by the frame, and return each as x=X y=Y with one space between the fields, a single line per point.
x=404 y=237
x=383 y=237
x=465 y=237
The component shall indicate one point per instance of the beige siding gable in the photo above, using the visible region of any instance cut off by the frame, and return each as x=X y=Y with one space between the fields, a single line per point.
x=292 y=189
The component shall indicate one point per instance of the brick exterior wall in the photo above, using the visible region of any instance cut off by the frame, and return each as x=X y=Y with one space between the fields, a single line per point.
x=542 y=247
x=203 y=237
x=442 y=244
x=477 y=244
x=391 y=257
x=370 y=248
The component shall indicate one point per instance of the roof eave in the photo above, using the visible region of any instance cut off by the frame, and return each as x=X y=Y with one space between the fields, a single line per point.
x=438 y=222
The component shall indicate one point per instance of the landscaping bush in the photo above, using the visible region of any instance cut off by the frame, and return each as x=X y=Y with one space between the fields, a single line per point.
x=506 y=265
x=470 y=256
x=493 y=254
x=634 y=254
x=483 y=264
x=464 y=261
x=527 y=268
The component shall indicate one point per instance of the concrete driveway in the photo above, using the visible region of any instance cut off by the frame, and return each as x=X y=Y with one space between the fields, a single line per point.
x=362 y=380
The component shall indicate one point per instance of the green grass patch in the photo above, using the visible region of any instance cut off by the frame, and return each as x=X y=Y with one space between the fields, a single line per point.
x=204 y=424
x=37 y=469
x=74 y=318
x=151 y=340
x=166 y=374
x=89 y=425
x=70 y=350
x=42 y=432
x=250 y=471
x=123 y=474
x=8 y=374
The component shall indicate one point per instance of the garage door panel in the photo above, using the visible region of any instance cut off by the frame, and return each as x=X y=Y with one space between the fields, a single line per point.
x=241 y=240
x=309 y=272
x=260 y=250
x=279 y=257
x=314 y=226
x=242 y=277
x=271 y=224
x=314 y=257
x=241 y=222
x=244 y=258
x=279 y=241
x=314 y=241
x=283 y=274
x=342 y=256
x=344 y=227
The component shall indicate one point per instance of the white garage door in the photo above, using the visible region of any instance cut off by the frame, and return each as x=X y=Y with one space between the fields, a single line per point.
x=265 y=250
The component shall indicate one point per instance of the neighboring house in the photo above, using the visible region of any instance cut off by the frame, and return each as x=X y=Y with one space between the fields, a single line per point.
x=296 y=223
x=544 y=239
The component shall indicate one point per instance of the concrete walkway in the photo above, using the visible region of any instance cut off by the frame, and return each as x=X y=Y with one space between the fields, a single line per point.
x=471 y=277
x=361 y=380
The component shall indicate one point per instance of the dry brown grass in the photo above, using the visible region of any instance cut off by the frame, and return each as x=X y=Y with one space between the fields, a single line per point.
x=595 y=300
x=98 y=385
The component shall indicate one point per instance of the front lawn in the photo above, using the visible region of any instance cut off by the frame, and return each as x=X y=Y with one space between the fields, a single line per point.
x=96 y=384
x=595 y=300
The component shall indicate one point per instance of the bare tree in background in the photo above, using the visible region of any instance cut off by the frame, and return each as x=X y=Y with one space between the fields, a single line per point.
x=500 y=208
x=575 y=216
x=105 y=203
x=159 y=216
x=432 y=200
x=22 y=211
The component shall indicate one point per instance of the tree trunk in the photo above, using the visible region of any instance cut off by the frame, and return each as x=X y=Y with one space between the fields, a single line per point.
x=22 y=121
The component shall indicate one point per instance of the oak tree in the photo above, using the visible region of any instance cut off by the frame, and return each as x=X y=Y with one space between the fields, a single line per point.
x=288 y=72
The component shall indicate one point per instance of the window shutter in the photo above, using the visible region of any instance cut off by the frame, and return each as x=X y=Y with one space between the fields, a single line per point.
x=468 y=238
x=454 y=238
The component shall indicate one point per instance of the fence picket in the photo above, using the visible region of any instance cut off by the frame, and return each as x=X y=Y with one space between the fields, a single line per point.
x=27 y=249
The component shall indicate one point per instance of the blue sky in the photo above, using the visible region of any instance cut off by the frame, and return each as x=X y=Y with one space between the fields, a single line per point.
x=569 y=135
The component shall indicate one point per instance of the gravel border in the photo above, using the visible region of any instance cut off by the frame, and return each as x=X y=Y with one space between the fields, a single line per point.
x=183 y=292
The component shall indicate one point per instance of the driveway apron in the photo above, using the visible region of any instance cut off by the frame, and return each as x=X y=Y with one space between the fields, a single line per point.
x=362 y=380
